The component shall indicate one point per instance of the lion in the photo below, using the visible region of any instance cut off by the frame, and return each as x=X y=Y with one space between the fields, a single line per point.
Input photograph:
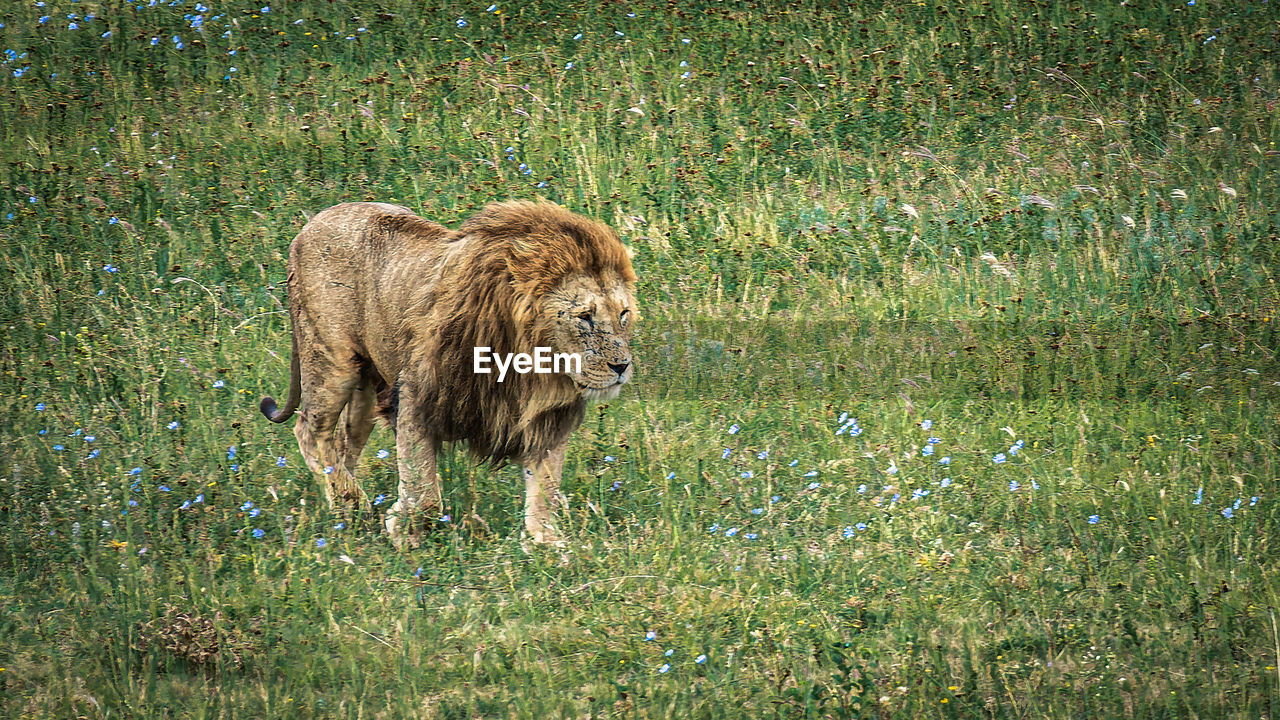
x=387 y=312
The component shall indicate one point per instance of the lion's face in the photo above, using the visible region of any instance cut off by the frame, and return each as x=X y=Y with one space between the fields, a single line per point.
x=592 y=316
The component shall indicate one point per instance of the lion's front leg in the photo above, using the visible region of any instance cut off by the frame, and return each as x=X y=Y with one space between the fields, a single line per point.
x=542 y=496
x=420 y=500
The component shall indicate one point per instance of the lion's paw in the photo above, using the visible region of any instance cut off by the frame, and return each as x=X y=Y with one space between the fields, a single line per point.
x=545 y=534
x=406 y=524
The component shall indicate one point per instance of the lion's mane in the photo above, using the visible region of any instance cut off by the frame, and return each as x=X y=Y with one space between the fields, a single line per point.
x=498 y=265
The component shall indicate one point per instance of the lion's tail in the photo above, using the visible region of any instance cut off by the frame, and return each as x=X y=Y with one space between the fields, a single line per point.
x=268 y=404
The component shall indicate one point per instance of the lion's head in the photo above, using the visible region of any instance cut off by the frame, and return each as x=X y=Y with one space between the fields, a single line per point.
x=573 y=289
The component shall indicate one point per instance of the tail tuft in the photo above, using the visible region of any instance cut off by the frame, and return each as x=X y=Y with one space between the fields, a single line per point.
x=268 y=408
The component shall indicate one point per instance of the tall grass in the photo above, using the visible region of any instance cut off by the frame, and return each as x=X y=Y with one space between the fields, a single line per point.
x=957 y=372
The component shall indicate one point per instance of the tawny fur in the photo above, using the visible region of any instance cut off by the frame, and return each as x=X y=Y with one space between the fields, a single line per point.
x=387 y=309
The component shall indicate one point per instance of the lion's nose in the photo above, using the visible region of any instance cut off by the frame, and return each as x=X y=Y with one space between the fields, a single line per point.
x=619 y=368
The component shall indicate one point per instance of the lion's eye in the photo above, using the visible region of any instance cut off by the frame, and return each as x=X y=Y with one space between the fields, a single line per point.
x=585 y=317
x=624 y=318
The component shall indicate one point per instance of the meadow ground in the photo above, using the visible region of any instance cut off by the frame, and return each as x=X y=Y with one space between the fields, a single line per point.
x=957 y=387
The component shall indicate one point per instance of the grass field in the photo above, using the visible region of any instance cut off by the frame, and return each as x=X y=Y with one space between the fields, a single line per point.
x=957 y=377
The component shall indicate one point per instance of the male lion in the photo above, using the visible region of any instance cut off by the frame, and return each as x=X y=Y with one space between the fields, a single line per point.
x=387 y=310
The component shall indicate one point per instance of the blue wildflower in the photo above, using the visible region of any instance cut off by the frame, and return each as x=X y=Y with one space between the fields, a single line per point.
x=733 y=429
x=849 y=532
x=926 y=424
x=321 y=542
x=999 y=458
x=1093 y=519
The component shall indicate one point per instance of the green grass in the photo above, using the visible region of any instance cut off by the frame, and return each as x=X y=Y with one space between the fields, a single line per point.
x=1037 y=223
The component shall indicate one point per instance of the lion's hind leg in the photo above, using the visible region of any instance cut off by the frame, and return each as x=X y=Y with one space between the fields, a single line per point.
x=356 y=424
x=325 y=451
x=420 y=498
